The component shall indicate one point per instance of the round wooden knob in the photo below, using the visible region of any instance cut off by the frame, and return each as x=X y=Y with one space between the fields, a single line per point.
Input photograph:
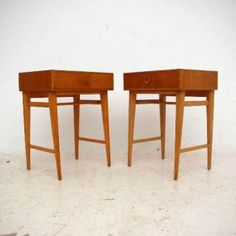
x=147 y=81
x=86 y=82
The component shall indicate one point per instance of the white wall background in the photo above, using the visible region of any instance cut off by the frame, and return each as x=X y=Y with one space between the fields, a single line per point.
x=117 y=36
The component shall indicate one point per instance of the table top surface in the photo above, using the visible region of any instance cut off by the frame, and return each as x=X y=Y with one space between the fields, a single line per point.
x=171 y=80
x=65 y=81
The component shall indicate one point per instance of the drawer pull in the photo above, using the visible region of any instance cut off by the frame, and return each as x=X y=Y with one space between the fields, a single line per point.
x=147 y=81
x=86 y=82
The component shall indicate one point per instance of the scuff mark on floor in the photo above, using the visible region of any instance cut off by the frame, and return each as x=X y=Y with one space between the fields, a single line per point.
x=107 y=199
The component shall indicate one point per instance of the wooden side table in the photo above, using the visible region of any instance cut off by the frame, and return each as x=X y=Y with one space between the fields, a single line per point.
x=59 y=83
x=180 y=83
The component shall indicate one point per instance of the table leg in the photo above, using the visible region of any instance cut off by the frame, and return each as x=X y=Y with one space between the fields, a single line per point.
x=105 y=117
x=163 y=124
x=26 y=108
x=76 y=125
x=178 y=129
x=210 y=114
x=132 y=107
x=55 y=132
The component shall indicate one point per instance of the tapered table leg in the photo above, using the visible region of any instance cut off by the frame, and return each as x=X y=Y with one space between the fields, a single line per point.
x=26 y=108
x=76 y=125
x=163 y=124
x=178 y=129
x=55 y=132
x=105 y=117
x=210 y=114
x=132 y=106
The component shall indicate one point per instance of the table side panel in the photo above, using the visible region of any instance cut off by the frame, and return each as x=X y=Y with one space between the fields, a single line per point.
x=35 y=81
x=198 y=80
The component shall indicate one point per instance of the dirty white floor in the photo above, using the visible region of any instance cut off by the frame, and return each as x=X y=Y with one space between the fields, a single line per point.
x=96 y=200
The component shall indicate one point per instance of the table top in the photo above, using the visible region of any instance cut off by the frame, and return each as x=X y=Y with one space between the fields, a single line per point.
x=171 y=80
x=65 y=81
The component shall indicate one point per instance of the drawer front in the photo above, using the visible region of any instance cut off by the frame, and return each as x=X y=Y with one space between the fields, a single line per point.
x=81 y=81
x=150 y=80
x=144 y=82
x=63 y=81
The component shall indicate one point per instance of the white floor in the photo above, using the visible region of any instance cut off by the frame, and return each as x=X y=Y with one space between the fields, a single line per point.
x=96 y=200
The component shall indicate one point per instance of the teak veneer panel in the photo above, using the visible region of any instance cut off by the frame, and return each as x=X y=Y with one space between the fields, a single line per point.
x=60 y=80
x=176 y=79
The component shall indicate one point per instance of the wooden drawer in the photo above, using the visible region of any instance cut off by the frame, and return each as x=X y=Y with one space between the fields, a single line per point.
x=150 y=80
x=178 y=79
x=58 y=81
